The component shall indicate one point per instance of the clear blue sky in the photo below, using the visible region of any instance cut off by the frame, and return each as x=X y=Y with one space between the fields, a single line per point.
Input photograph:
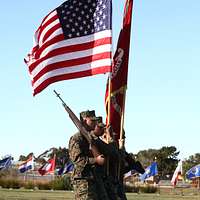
x=163 y=96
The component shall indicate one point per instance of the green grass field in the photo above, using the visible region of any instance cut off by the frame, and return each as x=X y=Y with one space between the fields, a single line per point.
x=6 y=194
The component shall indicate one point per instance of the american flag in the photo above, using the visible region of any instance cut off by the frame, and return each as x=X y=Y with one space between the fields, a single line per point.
x=73 y=41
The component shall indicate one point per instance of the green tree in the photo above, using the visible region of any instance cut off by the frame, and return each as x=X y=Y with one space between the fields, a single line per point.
x=191 y=162
x=146 y=157
x=24 y=158
x=62 y=156
x=166 y=158
x=167 y=161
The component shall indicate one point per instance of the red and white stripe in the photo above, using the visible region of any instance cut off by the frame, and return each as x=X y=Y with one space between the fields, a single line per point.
x=178 y=172
x=54 y=58
x=49 y=167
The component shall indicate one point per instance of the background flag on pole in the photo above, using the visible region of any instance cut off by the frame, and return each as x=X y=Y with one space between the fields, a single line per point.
x=194 y=172
x=151 y=170
x=48 y=167
x=5 y=163
x=177 y=173
x=73 y=41
x=119 y=72
x=68 y=167
x=27 y=165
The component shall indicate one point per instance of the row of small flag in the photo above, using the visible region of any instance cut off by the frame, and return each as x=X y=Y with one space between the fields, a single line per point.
x=47 y=168
x=152 y=170
x=192 y=173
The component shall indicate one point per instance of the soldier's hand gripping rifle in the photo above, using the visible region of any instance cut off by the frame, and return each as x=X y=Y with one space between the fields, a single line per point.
x=80 y=127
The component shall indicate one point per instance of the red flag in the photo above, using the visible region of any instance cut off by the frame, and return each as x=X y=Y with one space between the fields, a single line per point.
x=48 y=167
x=73 y=41
x=120 y=72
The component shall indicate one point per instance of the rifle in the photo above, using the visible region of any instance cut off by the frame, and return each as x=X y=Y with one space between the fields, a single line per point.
x=79 y=125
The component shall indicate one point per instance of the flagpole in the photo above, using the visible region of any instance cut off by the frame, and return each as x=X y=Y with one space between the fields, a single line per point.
x=110 y=87
x=25 y=176
x=122 y=134
x=109 y=99
x=109 y=106
x=54 y=157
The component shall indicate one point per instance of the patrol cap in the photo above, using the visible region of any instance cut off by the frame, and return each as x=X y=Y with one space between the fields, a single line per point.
x=88 y=113
x=100 y=121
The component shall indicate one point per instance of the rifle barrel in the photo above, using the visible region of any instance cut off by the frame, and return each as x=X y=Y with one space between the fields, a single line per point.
x=58 y=95
x=75 y=120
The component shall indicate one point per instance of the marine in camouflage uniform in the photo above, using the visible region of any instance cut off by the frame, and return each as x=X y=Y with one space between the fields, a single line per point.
x=83 y=179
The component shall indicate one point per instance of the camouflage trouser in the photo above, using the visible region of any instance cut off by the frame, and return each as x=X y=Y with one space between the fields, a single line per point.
x=85 y=190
